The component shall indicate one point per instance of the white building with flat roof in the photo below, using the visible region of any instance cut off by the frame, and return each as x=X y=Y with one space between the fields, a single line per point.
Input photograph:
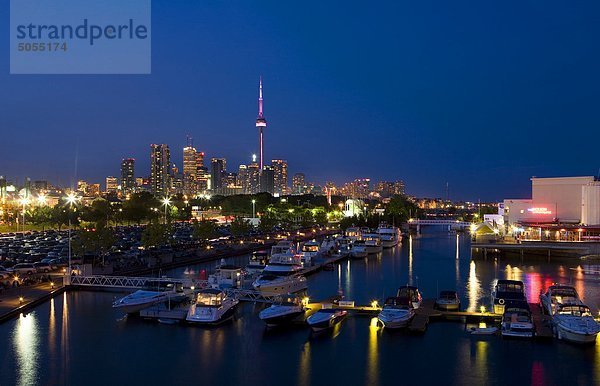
x=567 y=200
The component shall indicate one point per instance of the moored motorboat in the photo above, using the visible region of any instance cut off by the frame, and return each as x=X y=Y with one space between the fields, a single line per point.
x=575 y=323
x=556 y=295
x=212 y=306
x=310 y=250
x=258 y=262
x=516 y=320
x=353 y=233
x=285 y=310
x=507 y=291
x=372 y=243
x=448 y=301
x=390 y=235
x=325 y=318
x=412 y=294
x=281 y=276
x=154 y=292
x=359 y=250
x=397 y=312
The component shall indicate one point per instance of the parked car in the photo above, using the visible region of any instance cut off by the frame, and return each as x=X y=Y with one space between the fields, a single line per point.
x=24 y=268
x=5 y=273
x=43 y=267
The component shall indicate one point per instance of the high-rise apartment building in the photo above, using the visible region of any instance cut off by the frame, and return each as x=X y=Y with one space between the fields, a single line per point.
x=243 y=179
x=280 y=176
x=160 y=160
x=253 y=178
x=388 y=189
x=128 y=175
x=298 y=183
x=112 y=184
x=190 y=170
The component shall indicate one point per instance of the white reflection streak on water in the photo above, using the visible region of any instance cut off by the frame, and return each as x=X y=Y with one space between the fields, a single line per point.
x=26 y=344
x=473 y=288
x=456 y=263
x=65 y=338
x=410 y=259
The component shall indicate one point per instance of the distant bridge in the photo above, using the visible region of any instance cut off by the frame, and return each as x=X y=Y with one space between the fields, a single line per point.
x=450 y=224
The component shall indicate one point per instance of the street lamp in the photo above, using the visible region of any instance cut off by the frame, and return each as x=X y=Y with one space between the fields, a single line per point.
x=24 y=201
x=71 y=199
x=41 y=199
x=166 y=202
x=253 y=208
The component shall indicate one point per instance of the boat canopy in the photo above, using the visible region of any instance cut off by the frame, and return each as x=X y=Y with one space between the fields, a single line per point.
x=574 y=309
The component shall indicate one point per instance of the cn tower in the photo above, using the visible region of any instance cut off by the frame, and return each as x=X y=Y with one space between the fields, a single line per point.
x=261 y=123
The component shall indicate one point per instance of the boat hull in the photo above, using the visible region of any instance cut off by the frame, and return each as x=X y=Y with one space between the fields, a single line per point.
x=282 y=319
x=224 y=317
x=575 y=337
x=374 y=249
x=389 y=243
x=358 y=254
x=448 y=306
x=281 y=287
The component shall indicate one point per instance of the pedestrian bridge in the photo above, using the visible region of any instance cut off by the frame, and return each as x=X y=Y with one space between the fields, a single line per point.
x=133 y=283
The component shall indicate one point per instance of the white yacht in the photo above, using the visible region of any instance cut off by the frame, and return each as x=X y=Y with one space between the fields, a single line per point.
x=390 y=235
x=359 y=250
x=310 y=250
x=258 y=262
x=226 y=276
x=281 y=276
x=284 y=247
x=516 y=321
x=154 y=292
x=344 y=245
x=396 y=313
x=212 y=306
x=575 y=323
x=287 y=309
x=556 y=295
x=328 y=246
x=325 y=318
x=372 y=242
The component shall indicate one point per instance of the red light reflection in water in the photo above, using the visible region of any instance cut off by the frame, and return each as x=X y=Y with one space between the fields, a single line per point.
x=537 y=374
x=533 y=286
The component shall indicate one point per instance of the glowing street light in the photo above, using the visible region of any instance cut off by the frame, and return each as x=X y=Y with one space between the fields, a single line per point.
x=71 y=199
x=41 y=199
x=166 y=202
x=24 y=201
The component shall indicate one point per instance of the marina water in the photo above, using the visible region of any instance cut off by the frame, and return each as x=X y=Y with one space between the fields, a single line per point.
x=78 y=339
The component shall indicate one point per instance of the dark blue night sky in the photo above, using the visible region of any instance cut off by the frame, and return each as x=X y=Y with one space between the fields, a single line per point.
x=482 y=95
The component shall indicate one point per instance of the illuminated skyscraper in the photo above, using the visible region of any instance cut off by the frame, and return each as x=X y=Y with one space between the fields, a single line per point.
x=160 y=160
x=298 y=183
x=128 y=175
x=253 y=178
x=112 y=184
x=217 y=172
x=280 y=176
x=267 y=179
x=190 y=169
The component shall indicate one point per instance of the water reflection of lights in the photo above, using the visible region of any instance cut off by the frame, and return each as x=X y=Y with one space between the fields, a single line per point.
x=456 y=263
x=513 y=273
x=26 y=343
x=580 y=282
x=473 y=288
x=304 y=368
x=65 y=336
x=373 y=354
x=410 y=259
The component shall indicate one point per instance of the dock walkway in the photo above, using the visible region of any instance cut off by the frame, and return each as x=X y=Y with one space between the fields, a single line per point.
x=15 y=301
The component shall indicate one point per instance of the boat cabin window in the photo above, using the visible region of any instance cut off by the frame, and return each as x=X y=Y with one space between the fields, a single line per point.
x=209 y=299
x=509 y=287
x=310 y=248
x=578 y=311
